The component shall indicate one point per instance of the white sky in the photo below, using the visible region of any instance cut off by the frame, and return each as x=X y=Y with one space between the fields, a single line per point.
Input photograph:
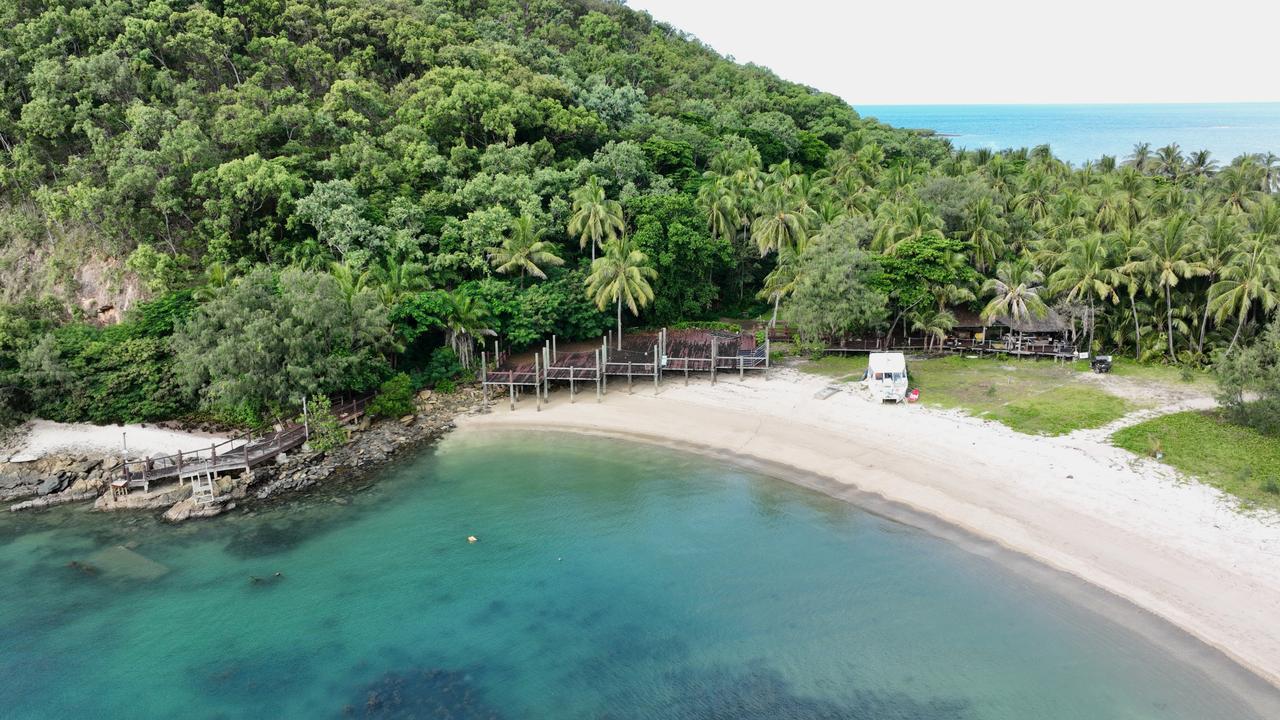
x=999 y=51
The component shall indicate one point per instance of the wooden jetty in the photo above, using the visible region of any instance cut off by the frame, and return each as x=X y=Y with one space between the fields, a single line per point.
x=202 y=466
x=639 y=356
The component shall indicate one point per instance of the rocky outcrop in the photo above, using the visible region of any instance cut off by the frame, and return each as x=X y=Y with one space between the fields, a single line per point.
x=54 y=479
x=372 y=444
x=56 y=474
x=163 y=496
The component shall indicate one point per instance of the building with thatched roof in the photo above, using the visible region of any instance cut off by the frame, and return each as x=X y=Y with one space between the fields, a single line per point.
x=969 y=325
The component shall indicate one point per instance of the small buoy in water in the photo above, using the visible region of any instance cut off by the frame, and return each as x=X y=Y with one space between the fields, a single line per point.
x=472 y=538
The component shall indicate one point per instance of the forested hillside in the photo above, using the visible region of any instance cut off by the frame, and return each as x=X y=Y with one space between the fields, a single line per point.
x=288 y=198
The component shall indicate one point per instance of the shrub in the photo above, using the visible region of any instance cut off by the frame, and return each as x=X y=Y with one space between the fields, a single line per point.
x=443 y=365
x=1249 y=382
x=446 y=386
x=394 y=398
x=326 y=431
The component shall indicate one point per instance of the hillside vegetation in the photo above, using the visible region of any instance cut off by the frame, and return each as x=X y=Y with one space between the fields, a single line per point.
x=317 y=196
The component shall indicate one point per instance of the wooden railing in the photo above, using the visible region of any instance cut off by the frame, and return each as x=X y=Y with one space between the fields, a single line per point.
x=238 y=453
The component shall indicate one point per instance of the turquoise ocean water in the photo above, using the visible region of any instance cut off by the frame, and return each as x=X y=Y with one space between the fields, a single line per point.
x=1086 y=132
x=610 y=580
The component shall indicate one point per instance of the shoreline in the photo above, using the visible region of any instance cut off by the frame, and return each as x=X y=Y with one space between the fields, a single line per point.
x=1214 y=600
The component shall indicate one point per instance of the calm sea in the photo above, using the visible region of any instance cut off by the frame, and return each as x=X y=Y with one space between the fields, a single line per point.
x=610 y=582
x=1085 y=132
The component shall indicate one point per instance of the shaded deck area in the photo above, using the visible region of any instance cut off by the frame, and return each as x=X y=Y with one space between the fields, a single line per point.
x=635 y=357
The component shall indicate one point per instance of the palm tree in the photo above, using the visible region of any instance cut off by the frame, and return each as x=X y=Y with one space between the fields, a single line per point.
x=1201 y=164
x=781 y=281
x=718 y=200
x=1130 y=277
x=397 y=279
x=351 y=280
x=934 y=323
x=595 y=218
x=1085 y=274
x=780 y=224
x=1167 y=255
x=216 y=277
x=1169 y=161
x=621 y=275
x=1253 y=277
x=1219 y=236
x=1015 y=292
x=1140 y=159
x=465 y=319
x=524 y=251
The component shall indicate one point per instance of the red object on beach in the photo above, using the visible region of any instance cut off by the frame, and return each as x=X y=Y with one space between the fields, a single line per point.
x=914 y=395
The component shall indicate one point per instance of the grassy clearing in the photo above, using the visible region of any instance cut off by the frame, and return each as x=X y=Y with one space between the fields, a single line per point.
x=1233 y=458
x=838 y=367
x=1040 y=398
x=1166 y=374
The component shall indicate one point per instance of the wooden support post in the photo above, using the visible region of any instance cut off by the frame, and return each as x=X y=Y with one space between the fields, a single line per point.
x=484 y=379
x=511 y=387
x=630 y=389
x=604 y=367
x=599 y=375
x=657 y=367
x=246 y=451
x=714 y=344
x=537 y=384
x=546 y=376
x=179 y=468
x=555 y=353
x=742 y=371
x=766 y=357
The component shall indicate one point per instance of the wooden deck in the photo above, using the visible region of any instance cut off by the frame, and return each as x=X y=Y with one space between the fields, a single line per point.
x=234 y=455
x=1004 y=346
x=641 y=356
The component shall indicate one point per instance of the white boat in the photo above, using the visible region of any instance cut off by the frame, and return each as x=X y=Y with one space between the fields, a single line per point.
x=886 y=376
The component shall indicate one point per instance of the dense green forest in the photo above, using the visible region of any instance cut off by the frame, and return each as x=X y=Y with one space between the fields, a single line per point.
x=305 y=197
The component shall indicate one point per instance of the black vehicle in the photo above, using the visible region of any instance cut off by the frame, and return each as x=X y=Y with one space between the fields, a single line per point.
x=1101 y=364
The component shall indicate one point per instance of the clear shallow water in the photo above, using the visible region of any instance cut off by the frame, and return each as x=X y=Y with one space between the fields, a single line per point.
x=1086 y=132
x=610 y=581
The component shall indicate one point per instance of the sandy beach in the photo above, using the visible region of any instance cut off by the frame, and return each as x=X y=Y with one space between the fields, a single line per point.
x=1075 y=503
x=37 y=438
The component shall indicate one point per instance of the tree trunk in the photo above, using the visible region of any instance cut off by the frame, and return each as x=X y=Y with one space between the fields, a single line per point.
x=777 y=298
x=1168 y=308
x=1204 y=322
x=1137 y=330
x=1243 y=317
x=619 y=321
x=1092 y=322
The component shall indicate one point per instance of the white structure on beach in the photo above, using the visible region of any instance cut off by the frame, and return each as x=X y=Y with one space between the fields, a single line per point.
x=887 y=376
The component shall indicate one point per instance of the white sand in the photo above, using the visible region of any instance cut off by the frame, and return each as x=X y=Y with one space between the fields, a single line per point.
x=38 y=438
x=1125 y=524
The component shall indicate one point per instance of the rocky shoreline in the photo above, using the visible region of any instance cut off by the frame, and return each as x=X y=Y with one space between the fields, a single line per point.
x=60 y=479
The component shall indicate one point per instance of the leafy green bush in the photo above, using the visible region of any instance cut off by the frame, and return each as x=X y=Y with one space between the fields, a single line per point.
x=394 y=398
x=1249 y=382
x=326 y=430
x=443 y=365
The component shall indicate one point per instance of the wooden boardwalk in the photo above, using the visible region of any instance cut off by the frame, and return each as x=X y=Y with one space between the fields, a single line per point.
x=228 y=456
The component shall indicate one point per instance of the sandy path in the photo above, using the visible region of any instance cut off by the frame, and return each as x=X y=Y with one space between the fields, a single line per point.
x=37 y=438
x=1076 y=503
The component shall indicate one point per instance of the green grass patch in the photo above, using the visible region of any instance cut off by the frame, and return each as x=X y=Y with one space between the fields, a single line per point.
x=1040 y=398
x=1233 y=458
x=839 y=367
x=1172 y=375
